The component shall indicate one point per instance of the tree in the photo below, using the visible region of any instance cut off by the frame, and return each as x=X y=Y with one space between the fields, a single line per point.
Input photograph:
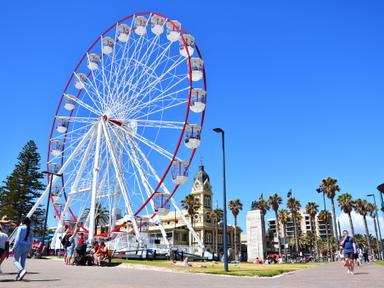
x=283 y=218
x=346 y=204
x=235 y=206
x=361 y=207
x=260 y=204
x=329 y=185
x=191 y=203
x=216 y=216
x=372 y=213
x=22 y=187
x=294 y=206
x=275 y=201
x=312 y=209
x=101 y=215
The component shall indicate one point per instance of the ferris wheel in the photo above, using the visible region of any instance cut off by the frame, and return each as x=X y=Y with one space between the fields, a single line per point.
x=127 y=127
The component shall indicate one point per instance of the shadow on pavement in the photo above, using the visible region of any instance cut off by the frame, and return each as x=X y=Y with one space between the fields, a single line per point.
x=27 y=280
x=361 y=273
x=40 y=280
x=15 y=273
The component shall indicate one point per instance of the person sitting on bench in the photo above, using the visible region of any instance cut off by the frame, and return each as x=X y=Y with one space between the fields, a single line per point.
x=101 y=254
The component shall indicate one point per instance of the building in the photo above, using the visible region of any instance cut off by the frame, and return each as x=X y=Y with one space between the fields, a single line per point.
x=177 y=232
x=304 y=227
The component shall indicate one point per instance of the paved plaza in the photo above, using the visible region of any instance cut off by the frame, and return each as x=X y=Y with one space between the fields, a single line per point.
x=52 y=273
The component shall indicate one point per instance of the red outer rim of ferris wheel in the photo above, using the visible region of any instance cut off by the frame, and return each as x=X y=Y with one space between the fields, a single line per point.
x=182 y=32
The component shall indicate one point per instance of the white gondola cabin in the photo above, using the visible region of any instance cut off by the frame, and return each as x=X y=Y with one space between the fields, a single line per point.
x=190 y=42
x=54 y=167
x=56 y=147
x=157 y=24
x=93 y=61
x=62 y=124
x=69 y=102
x=123 y=33
x=192 y=136
x=56 y=193
x=198 y=100
x=197 y=69
x=180 y=172
x=140 y=25
x=108 y=44
x=161 y=204
x=173 y=33
x=80 y=81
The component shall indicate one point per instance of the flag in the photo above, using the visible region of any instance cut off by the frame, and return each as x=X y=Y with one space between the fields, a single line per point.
x=289 y=195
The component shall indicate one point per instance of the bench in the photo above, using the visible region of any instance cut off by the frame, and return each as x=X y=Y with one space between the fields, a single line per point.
x=108 y=258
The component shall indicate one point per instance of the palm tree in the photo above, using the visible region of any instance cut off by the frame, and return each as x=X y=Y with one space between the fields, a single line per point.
x=190 y=203
x=101 y=215
x=216 y=215
x=283 y=218
x=346 y=205
x=329 y=185
x=361 y=207
x=360 y=240
x=235 y=206
x=274 y=201
x=372 y=213
x=294 y=206
x=311 y=209
x=261 y=204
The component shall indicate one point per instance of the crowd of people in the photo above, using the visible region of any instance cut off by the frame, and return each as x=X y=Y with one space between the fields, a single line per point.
x=74 y=243
x=77 y=252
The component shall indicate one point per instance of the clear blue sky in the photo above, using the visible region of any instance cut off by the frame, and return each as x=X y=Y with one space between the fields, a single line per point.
x=297 y=85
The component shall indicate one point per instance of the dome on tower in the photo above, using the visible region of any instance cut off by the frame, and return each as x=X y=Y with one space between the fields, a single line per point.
x=201 y=175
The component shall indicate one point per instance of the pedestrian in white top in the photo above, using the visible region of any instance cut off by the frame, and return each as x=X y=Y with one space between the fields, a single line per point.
x=4 y=247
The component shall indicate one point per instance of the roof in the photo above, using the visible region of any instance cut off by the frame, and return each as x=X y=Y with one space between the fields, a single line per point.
x=201 y=175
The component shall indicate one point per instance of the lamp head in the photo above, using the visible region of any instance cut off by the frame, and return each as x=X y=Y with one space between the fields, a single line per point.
x=218 y=130
x=370 y=195
x=381 y=188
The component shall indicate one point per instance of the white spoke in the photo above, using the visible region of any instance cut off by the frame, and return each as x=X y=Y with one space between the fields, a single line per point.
x=147 y=142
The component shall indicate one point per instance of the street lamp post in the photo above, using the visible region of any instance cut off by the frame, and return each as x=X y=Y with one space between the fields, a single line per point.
x=378 y=225
x=50 y=175
x=381 y=189
x=225 y=242
x=319 y=190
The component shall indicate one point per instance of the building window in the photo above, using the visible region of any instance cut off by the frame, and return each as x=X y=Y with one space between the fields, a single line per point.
x=185 y=237
x=208 y=237
x=207 y=201
x=220 y=238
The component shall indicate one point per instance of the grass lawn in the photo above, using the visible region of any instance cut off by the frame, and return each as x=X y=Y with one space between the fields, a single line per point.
x=381 y=262
x=243 y=269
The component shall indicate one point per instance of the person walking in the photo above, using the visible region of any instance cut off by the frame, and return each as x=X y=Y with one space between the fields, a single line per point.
x=366 y=253
x=4 y=246
x=22 y=246
x=356 y=248
x=348 y=251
